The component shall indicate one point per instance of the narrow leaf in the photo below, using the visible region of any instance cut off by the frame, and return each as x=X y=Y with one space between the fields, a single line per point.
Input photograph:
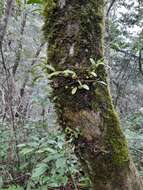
x=39 y=170
x=85 y=86
x=34 y=1
x=102 y=82
x=93 y=73
x=74 y=90
x=92 y=61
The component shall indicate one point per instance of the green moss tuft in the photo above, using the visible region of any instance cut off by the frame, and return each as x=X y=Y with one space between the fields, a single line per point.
x=116 y=140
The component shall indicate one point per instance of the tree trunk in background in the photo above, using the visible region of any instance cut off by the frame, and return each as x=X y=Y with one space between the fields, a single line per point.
x=74 y=30
x=4 y=21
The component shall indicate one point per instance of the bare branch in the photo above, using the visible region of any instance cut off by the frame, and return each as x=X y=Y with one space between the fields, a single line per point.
x=19 y=49
x=38 y=53
x=4 y=22
x=140 y=61
x=110 y=7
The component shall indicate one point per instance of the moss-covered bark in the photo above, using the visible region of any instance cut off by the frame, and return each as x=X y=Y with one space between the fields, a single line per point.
x=74 y=30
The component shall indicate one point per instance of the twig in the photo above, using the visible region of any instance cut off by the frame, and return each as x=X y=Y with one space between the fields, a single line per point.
x=37 y=53
x=19 y=48
x=110 y=7
x=140 y=61
x=4 y=22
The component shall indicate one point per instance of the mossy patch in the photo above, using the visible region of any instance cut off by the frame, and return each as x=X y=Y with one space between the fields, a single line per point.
x=116 y=140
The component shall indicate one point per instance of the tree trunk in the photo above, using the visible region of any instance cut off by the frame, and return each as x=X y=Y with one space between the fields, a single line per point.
x=74 y=30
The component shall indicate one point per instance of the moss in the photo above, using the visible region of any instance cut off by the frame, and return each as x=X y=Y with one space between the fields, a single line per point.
x=93 y=13
x=86 y=13
x=54 y=50
x=50 y=8
x=51 y=4
x=116 y=140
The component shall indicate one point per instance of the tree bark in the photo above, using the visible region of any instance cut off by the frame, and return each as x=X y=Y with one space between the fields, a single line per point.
x=74 y=30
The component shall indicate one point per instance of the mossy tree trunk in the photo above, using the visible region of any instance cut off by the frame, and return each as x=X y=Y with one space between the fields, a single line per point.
x=74 y=30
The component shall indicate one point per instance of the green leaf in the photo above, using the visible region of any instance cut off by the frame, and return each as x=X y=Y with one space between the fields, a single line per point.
x=79 y=82
x=65 y=180
x=52 y=157
x=18 y=2
x=38 y=78
x=61 y=163
x=84 y=182
x=21 y=145
x=47 y=149
x=53 y=184
x=37 y=11
x=93 y=73
x=115 y=46
x=57 y=181
x=68 y=72
x=92 y=61
x=100 y=62
x=74 y=90
x=56 y=73
x=34 y=1
x=50 y=67
x=85 y=86
x=28 y=186
x=43 y=187
x=26 y=151
x=102 y=82
x=39 y=170
x=15 y=188
x=1 y=181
